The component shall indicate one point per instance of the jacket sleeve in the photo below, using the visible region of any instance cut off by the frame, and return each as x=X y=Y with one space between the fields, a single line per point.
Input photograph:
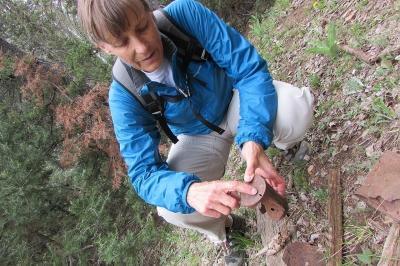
x=240 y=60
x=138 y=139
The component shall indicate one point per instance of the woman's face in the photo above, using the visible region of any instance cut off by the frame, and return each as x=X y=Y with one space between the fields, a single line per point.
x=140 y=46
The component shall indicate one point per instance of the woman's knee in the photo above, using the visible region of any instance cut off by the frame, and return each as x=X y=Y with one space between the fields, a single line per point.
x=294 y=114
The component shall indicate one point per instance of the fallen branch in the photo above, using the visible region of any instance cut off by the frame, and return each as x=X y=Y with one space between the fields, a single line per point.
x=369 y=59
x=278 y=242
x=335 y=218
x=357 y=53
x=391 y=250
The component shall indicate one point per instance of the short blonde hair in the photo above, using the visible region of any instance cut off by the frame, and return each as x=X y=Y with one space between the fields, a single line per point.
x=102 y=19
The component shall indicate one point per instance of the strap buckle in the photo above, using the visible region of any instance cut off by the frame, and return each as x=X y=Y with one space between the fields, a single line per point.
x=204 y=55
x=157 y=113
x=154 y=105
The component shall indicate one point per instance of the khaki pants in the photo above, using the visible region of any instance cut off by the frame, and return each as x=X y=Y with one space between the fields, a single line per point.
x=206 y=155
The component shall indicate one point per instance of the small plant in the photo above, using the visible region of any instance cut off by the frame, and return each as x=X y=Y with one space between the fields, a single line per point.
x=380 y=41
x=244 y=242
x=381 y=112
x=353 y=111
x=321 y=195
x=185 y=248
x=272 y=152
x=363 y=2
x=6 y=67
x=353 y=85
x=327 y=47
x=318 y=4
x=367 y=257
x=324 y=107
x=315 y=81
x=242 y=168
x=359 y=33
x=300 y=177
x=256 y=26
x=356 y=234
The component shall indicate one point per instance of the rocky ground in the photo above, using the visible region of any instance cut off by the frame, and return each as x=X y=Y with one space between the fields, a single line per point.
x=357 y=117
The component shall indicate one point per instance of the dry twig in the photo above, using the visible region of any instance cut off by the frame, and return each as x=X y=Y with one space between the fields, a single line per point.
x=335 y=218
x=391 y=250
x=369 y=59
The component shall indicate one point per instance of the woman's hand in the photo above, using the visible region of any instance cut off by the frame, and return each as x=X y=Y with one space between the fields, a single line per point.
x=217 y=198
x=259 y=164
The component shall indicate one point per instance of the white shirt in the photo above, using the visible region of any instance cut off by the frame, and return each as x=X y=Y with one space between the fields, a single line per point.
x=163 y=74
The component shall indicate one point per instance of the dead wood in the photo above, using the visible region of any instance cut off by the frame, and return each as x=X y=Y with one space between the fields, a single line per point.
x=335 y=218
x=278 y=242
x=369 y=59
x=357 y=53
x=268 y=229
x=267 y=198
x=391 y=250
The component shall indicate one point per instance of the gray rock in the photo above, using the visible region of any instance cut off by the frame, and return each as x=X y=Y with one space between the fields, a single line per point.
x=304 y=149
x=314 y=237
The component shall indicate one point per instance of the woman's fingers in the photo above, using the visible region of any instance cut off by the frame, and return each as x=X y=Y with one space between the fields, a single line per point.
x=237 y=186
x=212 y=213
x=220 y=208
x=230 y=200
x=276 y=181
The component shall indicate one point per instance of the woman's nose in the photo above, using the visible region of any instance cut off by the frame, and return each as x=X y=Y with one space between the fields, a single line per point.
x=140 y=45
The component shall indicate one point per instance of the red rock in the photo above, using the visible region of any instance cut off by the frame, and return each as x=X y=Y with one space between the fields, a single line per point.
x=301 y=254
x=381 y=188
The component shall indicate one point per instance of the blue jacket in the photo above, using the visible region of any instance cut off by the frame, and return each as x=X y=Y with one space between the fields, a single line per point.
x=235 y=64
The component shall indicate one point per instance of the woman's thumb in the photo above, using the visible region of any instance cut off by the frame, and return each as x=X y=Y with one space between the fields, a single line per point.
x=249 y=173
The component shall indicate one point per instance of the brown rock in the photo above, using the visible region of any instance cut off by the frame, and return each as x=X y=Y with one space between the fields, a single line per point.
x=381 y=188
x=302 y=254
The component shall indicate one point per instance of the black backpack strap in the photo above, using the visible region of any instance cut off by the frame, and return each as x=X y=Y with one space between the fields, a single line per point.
x=208 y=123
x=181 y=39
x=132 y=80
x=189 y=49
x=155 y=106
x=164 y=126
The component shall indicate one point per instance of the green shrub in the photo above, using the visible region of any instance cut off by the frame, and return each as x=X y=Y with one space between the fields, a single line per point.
x=327 y=47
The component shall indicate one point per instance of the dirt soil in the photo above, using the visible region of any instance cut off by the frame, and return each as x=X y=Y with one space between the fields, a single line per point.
x=357 y=112
x=357 y=117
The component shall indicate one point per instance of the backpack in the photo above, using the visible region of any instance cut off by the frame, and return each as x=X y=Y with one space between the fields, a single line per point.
x=133 y=80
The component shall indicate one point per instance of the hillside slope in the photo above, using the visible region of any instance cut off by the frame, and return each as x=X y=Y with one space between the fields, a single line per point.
x=357 y=115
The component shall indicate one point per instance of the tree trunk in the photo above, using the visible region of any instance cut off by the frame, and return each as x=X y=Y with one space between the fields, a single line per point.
x=268 y=229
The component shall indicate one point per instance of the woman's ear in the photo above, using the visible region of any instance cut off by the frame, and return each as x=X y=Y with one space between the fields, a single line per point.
x=103 y=46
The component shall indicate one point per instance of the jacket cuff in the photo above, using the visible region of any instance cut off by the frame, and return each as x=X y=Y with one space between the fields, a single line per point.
x=187 y=209
x=264 y=141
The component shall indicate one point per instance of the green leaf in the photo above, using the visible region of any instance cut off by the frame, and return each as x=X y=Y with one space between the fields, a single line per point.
x=327 y=47
x=319 y=49
x=381 y=108
x=331 y=41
